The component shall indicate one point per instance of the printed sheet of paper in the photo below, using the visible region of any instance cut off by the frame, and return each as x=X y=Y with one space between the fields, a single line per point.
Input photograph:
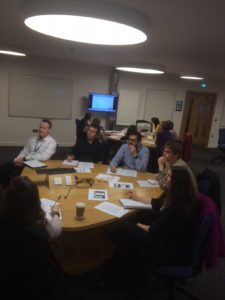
x=34 y=164
x=46 y=205
x=121 y=185
x=108 y=178
x=83 y=170
x=88 y=165
x=112 y=209
x=148 y=183
x=123 y=172
x=70 y=163
x=100 y=195
x=153 y=182
x=129 y=203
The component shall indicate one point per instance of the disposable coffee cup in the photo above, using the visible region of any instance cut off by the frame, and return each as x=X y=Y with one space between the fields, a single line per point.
x=80 y=208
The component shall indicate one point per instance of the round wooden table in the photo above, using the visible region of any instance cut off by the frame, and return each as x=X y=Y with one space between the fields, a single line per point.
x=84 y=244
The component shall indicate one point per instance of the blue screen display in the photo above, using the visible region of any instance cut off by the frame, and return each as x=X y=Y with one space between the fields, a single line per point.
x=102 y=102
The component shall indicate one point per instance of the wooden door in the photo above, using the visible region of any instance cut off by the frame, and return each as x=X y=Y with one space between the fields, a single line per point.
x=197 y=117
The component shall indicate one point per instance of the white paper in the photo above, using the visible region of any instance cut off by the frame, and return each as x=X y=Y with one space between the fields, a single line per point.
x=148 y=183
x=68 y=180
x=129 y=203
x=149 y=142
x=123 y=172
x=46 y=205
x=100 y=195
x=121 y=185
x=111 y=209
x=34 y=163
x=144 y=183
x=70 y=163
x=83 y=170
x=89 y=165
x=108 y=178
x=57 y=180
x=153 y=182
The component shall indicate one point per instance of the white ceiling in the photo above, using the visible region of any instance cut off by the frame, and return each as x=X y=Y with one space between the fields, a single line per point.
x=185 y=36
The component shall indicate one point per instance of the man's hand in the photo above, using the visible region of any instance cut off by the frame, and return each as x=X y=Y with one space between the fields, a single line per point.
x=113 y=169
x=70 y=157
x=18 y=162
x=132 y=149
x=161 y=163
x=143 y=226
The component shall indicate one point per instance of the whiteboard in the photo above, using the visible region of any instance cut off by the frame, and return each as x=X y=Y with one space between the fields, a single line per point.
x=159 y=103
x=127 y=107
x=39 y=96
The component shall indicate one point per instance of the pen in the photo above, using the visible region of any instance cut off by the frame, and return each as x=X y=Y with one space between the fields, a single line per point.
x=68 y=192
x=57 y=200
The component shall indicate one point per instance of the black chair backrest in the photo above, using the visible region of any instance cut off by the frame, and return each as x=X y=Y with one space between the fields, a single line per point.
x=209 y=184
x=221 y=140
x=143 y=125
x=199 y=243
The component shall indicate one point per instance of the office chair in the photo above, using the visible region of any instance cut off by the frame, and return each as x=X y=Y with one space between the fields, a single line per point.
x=173 y=275
x=209 y=184
x=221 y=146
x=143 y=126
x=187 y=147
x=78 y=127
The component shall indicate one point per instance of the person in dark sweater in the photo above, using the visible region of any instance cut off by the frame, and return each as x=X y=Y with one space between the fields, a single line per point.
x=88 y=149
x=163 y=137
x=167 y=241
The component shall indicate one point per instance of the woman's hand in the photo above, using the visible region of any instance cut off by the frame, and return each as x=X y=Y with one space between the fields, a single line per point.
x=133 y=195
x=143 y=226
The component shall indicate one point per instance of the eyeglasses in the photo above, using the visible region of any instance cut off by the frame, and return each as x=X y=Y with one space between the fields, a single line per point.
x=84 y=182
x=132 y=140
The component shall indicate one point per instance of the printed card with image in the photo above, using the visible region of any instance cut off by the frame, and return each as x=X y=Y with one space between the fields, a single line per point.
x=100 y=195
x=121 y=185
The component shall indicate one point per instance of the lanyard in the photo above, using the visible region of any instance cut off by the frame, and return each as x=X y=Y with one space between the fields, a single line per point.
x=38 y=145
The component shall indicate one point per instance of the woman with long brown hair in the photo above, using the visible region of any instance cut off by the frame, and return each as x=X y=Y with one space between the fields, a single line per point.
x=168 y=240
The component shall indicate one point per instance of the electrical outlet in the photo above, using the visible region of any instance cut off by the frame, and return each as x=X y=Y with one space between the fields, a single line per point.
x=35 y=130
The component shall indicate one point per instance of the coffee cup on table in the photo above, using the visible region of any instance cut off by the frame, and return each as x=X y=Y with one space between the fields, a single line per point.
x=80 y=209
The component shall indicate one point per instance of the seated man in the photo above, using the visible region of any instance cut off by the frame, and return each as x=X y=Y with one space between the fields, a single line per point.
x=40 y=147
x=172 y=157
x=132 y=154
x=88 y=149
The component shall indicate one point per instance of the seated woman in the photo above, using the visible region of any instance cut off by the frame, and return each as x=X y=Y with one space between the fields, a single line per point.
x=167 y=241
x=155 y=125
x=27 y=265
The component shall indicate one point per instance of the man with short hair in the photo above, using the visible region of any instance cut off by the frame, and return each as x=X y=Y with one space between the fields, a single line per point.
x=172 y=156
x=88 y=149
x=132 y=155
x=40 y=147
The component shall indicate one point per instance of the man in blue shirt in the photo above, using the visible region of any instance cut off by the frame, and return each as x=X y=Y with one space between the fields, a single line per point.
x=131 y=155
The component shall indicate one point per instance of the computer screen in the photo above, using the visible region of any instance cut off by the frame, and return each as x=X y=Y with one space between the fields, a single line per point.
x=102 y=102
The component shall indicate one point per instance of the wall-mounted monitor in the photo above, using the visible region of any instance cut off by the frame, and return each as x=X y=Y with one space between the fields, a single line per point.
x=102 y=102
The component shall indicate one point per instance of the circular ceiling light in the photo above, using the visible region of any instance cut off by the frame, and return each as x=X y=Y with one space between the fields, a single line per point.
x=8 y=52
x=94 y=22
x=140 y=70
x=192 y=77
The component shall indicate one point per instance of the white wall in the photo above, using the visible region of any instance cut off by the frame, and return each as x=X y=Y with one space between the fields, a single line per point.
x=90 y=78
x=143 y=82
x=87 y=78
